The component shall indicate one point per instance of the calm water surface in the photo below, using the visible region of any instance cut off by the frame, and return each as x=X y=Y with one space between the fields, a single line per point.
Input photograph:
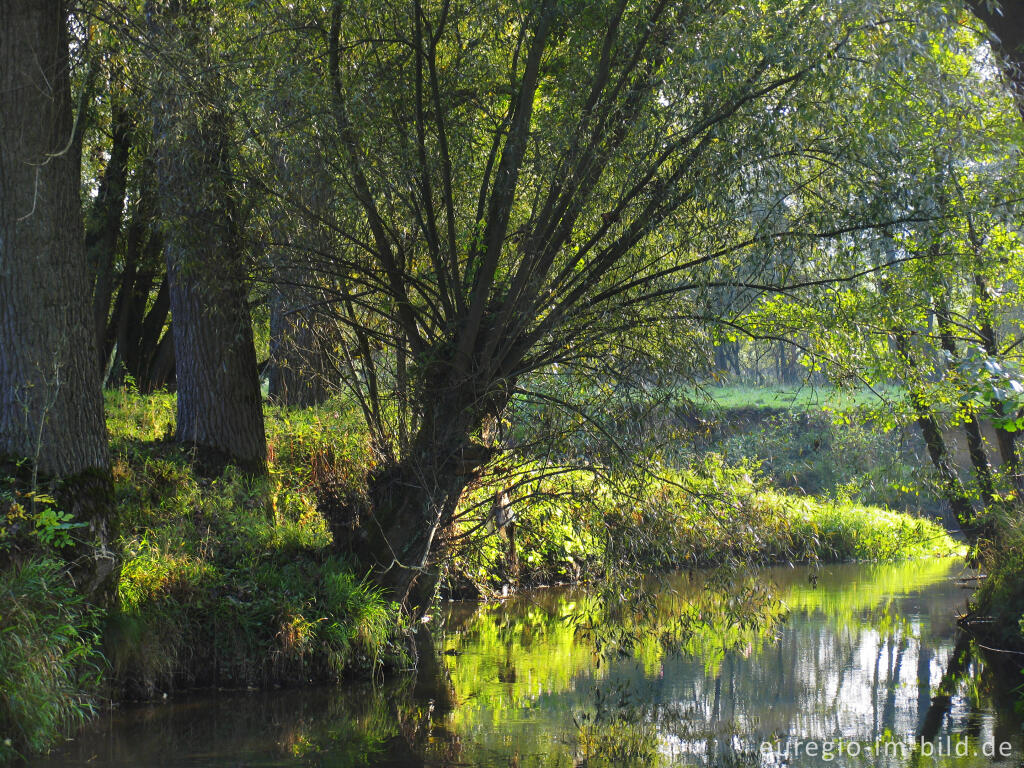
x=845 y=665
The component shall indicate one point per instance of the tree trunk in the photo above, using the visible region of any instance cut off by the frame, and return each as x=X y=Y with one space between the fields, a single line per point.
x=103 y=226
x=400 y=542
x=219 y=403
x=298 y=370
x=1007 y=25
x=51 y=406
x=1006 y=440
x=412 y=501
x=952 y=488
x=972 y=428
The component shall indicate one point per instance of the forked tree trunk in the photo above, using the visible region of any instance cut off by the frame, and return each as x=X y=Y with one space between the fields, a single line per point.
x=219 y=403
x=104 y=227
x=51 y=406
x=972 y=428
x=399 y=539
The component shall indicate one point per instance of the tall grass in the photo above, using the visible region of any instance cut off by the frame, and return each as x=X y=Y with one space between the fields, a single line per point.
x=51 y=667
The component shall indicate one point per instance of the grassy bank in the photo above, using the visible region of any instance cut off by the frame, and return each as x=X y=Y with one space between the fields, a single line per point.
x=803 y=398
x=572 y=524
x=225 y=582
x=996 y=615
x=232 y=583
x=228 y=581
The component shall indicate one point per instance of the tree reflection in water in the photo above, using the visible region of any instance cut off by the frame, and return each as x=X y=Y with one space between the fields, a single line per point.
x=699 y=674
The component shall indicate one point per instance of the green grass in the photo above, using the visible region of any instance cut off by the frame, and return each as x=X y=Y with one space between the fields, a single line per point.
x=230 y=581
x=795 y=398
x=49 y=655
x=576 y=524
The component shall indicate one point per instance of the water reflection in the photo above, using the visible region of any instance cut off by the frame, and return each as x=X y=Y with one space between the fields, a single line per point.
x=857 y=653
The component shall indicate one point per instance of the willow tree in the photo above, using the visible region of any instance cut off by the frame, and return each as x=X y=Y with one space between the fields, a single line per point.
x=219 y=403
x=514 y=188
x=943 y=322
x=51 y=407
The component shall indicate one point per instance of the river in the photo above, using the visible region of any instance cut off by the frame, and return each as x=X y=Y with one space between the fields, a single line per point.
x=843 y=664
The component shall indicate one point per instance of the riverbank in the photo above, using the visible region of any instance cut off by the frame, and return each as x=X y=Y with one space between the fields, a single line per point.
x=232 y=583
x=996 y=614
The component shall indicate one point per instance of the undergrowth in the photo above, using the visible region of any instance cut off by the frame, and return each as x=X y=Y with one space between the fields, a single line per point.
x=571 y=524
x=811 y=453
x=230 y=581
x=49 y=641
x=997 y=609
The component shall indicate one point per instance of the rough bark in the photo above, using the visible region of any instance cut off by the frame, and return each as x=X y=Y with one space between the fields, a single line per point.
x=219 y=403
x=952 y=487
x=399 y=537
x=156 y=342
x=298 y=369
x=51 y=406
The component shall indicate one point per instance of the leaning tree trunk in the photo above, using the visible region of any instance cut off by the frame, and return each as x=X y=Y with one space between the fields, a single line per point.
x=972 y=428
x=1006 y=23
x=952 y=487
x=51 y=406
x=1005 y=439
x=219 y=403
